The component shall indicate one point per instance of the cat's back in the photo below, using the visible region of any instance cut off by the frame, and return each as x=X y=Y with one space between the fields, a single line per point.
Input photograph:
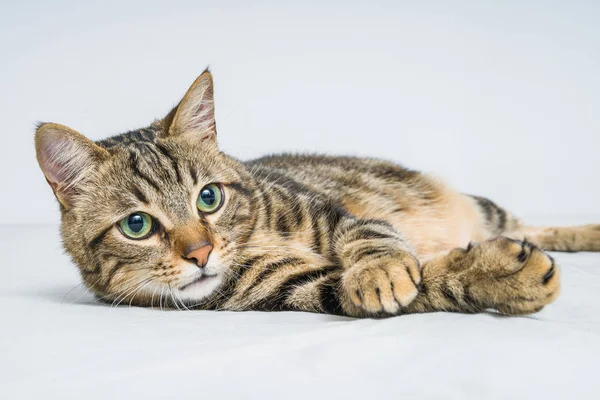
x=340 y=177
x=326 y=166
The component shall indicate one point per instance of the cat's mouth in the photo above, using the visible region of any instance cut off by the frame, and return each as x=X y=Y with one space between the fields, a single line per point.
x=198 y=281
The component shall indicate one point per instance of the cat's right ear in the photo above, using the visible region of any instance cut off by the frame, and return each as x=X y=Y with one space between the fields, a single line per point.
x=194 y=116
x=66 y=157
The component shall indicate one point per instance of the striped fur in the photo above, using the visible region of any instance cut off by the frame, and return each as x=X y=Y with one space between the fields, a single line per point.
x=339 y=235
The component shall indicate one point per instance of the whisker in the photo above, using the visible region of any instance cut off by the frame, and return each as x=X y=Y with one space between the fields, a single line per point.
x=152 y=298
x=181 y=301
x=172 y=297
x=138 y=291
x=127 y=292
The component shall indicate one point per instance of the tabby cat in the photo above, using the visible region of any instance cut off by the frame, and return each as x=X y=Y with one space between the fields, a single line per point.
x=160 y=217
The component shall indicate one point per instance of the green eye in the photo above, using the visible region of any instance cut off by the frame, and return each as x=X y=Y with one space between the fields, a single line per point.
x=136 y=226
x=210 y=198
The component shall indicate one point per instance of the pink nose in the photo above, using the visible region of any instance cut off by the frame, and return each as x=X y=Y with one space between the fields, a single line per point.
x=199 y=253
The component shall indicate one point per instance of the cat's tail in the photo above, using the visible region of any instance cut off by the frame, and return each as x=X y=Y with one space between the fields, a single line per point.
x=500 y=222
x=566 y=238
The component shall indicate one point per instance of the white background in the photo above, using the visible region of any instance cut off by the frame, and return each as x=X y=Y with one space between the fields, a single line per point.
x=499 y=98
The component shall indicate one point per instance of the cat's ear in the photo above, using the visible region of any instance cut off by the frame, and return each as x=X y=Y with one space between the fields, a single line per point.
x=194 y=117
x=66 y=157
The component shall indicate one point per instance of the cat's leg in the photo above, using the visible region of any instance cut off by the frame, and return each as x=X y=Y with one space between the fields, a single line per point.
x=498 y=221
x=381 y=274
x=377 y=275
x=503 y=274
x=364 y=268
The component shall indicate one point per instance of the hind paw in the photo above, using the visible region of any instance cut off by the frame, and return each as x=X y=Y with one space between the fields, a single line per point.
x=510 y=276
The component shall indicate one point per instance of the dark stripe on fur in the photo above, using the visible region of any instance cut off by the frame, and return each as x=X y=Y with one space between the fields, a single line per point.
x=316 y=235
x=451 y=297
x=278 y=300
x=501 y=219
x=392 y=172
x=149 y=154
x=271 y=268
x=171 y=159
x=366 y=251
x=296 y=212
x=246 y=265
x=194 y=174
x=139 y=195
x=378 y=222
x=238 y=187
x=247 y=233
x=329 y=297
x=333 y=216
x=266 y=199
x=368 y=234
x=113 y=271
x=139 y=173
x=268 y=175
x=99 y=238
x=237 y=274
x=470 y=304
x=282 y=226
x=494 y=215
x=128 y=138
x=486 y=205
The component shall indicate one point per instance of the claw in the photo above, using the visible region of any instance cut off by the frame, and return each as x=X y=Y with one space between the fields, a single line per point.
x=548 y=275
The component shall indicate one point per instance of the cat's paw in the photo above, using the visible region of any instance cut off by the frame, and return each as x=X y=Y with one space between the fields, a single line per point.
x=511 y=276
x=384 y=284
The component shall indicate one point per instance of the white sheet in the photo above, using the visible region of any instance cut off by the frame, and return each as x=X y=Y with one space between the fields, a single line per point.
x=59 y=343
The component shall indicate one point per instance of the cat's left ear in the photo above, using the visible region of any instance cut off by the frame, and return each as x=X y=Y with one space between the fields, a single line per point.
x=194 y=117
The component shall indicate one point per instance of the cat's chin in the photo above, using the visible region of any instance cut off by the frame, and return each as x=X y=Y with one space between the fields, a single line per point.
x=199 y=288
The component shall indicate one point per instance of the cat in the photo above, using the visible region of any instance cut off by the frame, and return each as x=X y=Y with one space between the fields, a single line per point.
x=160 y=217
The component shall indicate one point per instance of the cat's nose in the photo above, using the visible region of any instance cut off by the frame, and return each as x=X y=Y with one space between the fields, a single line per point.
x=199 y=252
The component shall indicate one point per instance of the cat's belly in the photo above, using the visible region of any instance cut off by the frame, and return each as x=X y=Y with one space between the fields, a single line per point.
x=443 y=221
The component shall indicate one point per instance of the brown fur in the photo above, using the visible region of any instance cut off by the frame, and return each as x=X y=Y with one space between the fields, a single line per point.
x=351 y=236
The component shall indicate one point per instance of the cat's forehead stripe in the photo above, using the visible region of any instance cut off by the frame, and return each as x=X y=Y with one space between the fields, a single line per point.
x=129 y=138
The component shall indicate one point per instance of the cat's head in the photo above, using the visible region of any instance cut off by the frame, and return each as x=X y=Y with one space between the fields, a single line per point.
x=153 y=216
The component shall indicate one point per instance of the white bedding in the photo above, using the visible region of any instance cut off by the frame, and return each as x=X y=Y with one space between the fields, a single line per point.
x=59 y=343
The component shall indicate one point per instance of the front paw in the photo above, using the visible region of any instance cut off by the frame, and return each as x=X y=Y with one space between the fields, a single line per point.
x=384 y=284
